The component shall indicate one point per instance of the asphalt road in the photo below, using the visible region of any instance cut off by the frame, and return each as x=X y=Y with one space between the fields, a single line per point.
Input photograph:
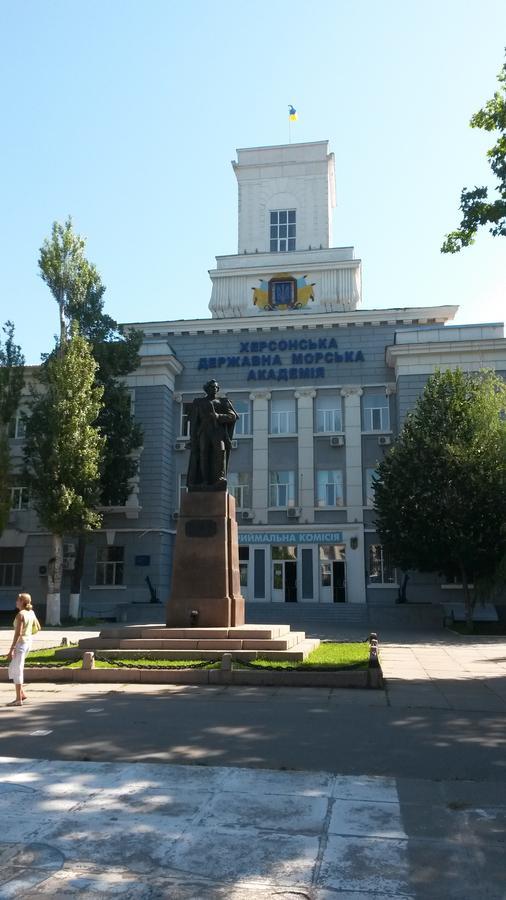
x=314 y=729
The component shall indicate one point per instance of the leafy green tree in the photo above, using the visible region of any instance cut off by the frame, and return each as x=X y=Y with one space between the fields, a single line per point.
x=440 y=495
x=11 y=384
x=116 y=355
x=477 y=208
x=63 y=453
x=66 y=271
x=79 y=292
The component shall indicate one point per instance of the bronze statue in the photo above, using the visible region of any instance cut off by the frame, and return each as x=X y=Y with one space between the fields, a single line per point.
x=212 y=423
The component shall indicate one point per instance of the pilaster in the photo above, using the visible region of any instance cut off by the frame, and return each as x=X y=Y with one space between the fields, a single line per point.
x=260 y=486
x=305 y=450
x=353 y=452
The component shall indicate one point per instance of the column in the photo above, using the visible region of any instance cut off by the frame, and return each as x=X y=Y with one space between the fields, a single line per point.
x=355 y=568
x=305 y=450
x=353 y=452
x=260 y=484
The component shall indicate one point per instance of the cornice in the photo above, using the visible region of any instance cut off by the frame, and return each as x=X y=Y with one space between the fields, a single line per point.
x=397 y=353
x=271 y=269
x=302 y=320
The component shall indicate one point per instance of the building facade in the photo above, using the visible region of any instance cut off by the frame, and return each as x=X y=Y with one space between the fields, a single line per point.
x=321 y=387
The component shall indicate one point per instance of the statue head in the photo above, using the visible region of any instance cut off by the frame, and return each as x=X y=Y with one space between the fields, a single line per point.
x=211 y=388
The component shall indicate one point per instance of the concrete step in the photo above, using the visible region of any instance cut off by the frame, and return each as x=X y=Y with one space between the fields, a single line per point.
x=297 y=653
x=225 y=644
x=154 y=632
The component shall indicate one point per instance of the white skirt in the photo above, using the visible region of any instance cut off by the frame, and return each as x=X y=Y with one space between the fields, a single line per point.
x=17 y=662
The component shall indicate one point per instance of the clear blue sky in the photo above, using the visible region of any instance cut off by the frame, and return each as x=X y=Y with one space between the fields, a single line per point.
x=126 y=115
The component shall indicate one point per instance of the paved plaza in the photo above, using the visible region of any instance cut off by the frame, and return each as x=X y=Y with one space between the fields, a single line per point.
x=205 y=793
x=192 y=833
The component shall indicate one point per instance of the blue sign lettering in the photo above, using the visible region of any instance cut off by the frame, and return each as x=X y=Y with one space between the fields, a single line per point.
x=292 y=537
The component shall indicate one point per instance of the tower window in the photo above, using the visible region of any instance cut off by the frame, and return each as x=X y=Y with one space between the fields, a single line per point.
x=282 y=230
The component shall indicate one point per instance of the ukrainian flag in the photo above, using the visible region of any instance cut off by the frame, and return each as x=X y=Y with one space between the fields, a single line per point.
x=292 y=113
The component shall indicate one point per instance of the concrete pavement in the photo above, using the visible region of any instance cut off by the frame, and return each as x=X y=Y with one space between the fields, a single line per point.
x=195 y=833
x=316 y=793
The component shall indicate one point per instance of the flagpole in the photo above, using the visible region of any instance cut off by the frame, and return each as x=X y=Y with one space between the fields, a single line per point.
x=289 y=130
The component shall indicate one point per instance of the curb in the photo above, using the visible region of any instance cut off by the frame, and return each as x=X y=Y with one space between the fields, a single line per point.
x=366 y=678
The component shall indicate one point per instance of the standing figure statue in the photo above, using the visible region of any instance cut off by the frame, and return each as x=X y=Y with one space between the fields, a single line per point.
x=212 y=423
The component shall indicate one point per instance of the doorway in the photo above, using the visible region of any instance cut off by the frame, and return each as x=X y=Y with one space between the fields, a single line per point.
x=332 y=573
x=284 y=574
x=339 y=582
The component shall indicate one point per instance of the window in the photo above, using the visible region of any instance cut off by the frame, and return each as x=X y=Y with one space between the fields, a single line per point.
x=381 y=570
x=11 y=566
x=376 y=412
x=326 y=574
x=329 y=488
x=243 y=410
x=328 y=414
x=110 y=565
x=370 y=476
x=20 y=497
x=185 y=419
x=282 y=230
x=17 y=427
x=239 y=485
x=182 y=488
x=283 y=416
x=243 y=565
x=282 y=489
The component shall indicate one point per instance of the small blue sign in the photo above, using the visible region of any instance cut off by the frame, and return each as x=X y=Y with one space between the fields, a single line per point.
x=142 y=560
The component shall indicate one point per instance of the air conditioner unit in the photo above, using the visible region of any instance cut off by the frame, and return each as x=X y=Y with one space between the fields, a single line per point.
x=69 y=563
x=337 y=440
x=293 y=512
x=246 y=514
x=176 y=514
x=233 y=444
x=180 y=445
x=384 y=440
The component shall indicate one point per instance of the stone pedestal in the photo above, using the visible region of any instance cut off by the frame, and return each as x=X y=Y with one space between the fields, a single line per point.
x=205 y=576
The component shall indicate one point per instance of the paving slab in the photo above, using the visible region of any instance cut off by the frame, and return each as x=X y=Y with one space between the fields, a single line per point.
x=155 y=831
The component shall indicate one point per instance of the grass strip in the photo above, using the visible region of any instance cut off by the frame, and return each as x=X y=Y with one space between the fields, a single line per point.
x=156 y=664
x=327 y=657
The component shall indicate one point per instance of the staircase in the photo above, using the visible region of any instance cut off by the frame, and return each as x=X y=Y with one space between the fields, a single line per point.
x=246 y=642
x=310 y=615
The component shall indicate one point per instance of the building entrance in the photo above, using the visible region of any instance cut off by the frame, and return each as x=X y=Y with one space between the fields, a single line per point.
x=333 y=573
x=284 y=574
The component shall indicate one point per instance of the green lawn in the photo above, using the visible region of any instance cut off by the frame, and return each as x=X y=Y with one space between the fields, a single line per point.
x=157 y=664
x=44 y=658
x=326 y=656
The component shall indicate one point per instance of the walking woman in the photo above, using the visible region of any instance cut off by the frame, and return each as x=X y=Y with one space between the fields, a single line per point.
x=25 y=624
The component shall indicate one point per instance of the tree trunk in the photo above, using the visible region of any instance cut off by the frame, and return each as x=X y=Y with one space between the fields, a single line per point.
x=76 y=579
x=468 y=602
x=74 y=606
x=54 y=579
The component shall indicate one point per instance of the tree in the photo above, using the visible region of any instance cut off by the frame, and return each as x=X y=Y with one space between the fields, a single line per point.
x=475 y=204
x=63 y=451
x=116 y=355
x=76 y=286
x=440 y=494
x=66 y=271
x=11 y=385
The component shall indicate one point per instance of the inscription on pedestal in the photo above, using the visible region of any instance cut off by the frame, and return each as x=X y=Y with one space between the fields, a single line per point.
x=200 y=528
